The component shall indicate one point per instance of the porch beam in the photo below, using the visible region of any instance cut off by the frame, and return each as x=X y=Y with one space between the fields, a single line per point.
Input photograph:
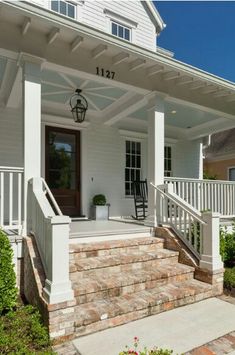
x=197 y=85
x=124 y=110
x=136 y=64
x=155 y=70
x=119 y=58
x=51 y=37
x=222 y=93
x=184 y=80
x=170 y=75
x=25 y=26
x=209 y=89
x=76 y=43
x=98 y=51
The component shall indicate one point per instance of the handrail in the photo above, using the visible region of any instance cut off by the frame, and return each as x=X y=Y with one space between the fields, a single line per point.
x=48 y=191
x=11 y=169
x=205 y=181
x=181 y=203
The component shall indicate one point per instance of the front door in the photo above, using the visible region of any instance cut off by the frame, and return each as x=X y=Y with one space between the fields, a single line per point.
x=63 y=168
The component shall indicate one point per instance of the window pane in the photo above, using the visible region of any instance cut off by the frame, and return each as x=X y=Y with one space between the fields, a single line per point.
x=63 y=8
x=127 y=188
x=232 y=174
x=120 y=31
x=127 y=174
x=128 y=160
x=132 y=175
x=127 y=34
x=114 y=29
x=54 y=5
x=137 y=174
x=138 y=148
x=128 y=149
x=133 y=161
x=71 y=11
x=133 y=147
x=138 y=162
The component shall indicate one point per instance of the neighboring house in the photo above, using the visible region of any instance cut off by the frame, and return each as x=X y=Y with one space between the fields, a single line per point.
x=147 y=116
x=220 y=156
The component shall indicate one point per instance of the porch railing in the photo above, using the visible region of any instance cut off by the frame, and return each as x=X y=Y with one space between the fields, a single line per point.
x=185 y=221
x=206 y=195
x=51 y=231
x=11 y=198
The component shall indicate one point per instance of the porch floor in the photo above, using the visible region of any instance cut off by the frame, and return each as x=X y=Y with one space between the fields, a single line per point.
x=111 y=229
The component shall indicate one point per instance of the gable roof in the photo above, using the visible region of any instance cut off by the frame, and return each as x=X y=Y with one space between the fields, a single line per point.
x=154 y=14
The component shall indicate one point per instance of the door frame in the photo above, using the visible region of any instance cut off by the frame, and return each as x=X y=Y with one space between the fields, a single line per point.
x=77 y=134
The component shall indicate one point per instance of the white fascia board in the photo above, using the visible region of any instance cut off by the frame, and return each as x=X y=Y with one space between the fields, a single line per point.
x=151 y=56
x=159 y=21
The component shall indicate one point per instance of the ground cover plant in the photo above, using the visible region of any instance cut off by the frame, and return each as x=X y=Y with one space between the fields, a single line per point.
x=135 y=350
x=227 y=251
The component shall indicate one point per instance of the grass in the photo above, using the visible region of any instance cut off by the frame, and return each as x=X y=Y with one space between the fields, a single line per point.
x=22 y=332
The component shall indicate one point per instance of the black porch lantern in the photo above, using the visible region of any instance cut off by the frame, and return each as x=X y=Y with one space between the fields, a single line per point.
x=79 y=106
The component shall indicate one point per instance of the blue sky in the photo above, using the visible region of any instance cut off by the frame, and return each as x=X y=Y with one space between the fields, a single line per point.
x=201 y=33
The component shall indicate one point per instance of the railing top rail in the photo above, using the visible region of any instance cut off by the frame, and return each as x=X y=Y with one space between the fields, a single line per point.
x=11 y=169
x=55 y=204
x=199 y=181
x=181 y=203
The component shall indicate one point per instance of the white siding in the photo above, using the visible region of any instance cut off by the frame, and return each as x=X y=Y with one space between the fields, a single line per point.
x=187 y=159
x=11 y=137
x=92 y=13
x=103 y=165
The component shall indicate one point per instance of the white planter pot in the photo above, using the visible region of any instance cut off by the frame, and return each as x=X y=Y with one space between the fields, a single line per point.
x=101 y=213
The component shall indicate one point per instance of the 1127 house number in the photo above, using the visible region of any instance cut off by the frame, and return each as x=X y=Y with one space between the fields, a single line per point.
x=105 y=73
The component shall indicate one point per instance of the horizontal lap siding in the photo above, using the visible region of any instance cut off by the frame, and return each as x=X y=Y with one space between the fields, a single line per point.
x=187 y=159
x=11 y=138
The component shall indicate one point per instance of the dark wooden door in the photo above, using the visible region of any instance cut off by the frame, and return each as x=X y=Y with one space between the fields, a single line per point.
x=63 y=168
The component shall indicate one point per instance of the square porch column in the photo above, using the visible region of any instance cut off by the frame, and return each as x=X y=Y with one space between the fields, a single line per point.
x=155 y=155
x=32 y=123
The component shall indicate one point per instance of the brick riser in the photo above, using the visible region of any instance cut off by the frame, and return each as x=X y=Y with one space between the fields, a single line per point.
x=117 y=282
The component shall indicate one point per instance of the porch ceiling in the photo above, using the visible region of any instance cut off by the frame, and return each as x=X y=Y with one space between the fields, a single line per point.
x=202 y=101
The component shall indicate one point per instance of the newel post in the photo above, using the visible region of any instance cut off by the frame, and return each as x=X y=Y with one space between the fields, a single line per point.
x=210 y=258
x=58 y=285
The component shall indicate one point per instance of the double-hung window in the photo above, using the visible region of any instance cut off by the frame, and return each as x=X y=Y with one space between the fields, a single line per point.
x=65 y=8
x=133 y=165
x=120 y=31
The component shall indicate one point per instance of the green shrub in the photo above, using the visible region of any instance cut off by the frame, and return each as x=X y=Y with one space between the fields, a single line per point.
x=227 y=246
x=8 y=290
x=99 y=200
x=229 y=278
x=134 y=350
x=22 y=332
x=209 y=176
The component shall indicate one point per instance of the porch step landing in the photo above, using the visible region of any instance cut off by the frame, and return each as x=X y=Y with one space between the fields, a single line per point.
x=118 y=281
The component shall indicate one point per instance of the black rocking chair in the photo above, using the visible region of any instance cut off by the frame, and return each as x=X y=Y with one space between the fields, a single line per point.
x=140 y=199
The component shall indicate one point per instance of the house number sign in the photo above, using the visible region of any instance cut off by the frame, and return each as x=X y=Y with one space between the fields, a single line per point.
x=105 y=73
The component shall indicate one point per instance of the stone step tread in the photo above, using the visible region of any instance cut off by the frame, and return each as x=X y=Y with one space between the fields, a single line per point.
x=92 y=312
x=96 y=283
x=112 y=244
x=120 y=259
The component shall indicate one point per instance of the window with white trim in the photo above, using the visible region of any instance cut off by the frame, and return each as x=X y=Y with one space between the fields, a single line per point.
x=231 y=174
x=167 y=161
x=65 y=8
x=120 y=31
x=133 y=165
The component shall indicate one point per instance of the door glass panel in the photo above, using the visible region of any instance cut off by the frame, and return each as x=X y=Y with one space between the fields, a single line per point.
x=62 y=160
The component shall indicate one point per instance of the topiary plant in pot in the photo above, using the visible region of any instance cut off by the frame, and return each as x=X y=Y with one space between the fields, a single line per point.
x=100 y=208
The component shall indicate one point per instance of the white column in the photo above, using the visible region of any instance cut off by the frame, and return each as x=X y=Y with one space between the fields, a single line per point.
x=32 y=124
x=211 y=259
x=155 y=155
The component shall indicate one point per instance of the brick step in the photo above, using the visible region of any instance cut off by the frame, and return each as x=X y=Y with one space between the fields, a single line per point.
x=108 y=285
x=123 y=262
x=110 y=247
x=95 y=316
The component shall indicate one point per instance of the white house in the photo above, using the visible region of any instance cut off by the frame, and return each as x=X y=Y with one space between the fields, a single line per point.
x=147 y=116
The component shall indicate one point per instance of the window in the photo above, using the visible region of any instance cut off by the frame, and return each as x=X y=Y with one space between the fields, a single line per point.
x=120 y=31
x=167 y=161
x=231 y=174
x=133 y=165
x=66 y=8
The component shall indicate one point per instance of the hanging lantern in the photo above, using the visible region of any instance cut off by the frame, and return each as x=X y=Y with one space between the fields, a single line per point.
x=79 y=106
